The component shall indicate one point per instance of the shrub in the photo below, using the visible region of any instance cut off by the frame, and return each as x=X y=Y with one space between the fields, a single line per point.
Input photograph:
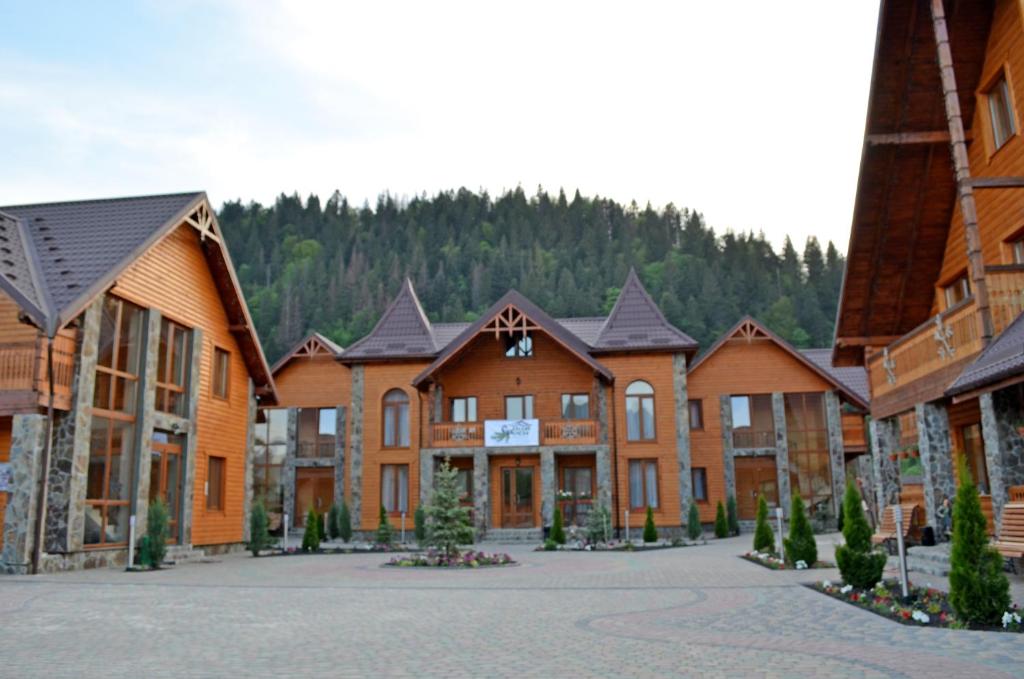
x=144 y=551
x=419 y=520
x=650 y=532
x=978 y=590
x=599 y=524
x=721 y=523
x=858 y=564
x=764 y=538
x=557 y=530
x=158 y=529
x=311 y=536
x=385 y=534
x=447 y=520
x=839 y=519
x=800 y=545
x=733 y=515
x=344 y=523
x=259 y=532
x=320 y=528
x=332 y=522
x=693 y=528
x=550 y=545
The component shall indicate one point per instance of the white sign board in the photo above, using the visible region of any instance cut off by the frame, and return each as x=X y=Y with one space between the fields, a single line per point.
x=6 y=477
x=506 y=433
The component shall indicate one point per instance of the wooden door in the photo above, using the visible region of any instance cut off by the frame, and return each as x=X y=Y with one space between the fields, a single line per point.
x=755 y=476
x=165 y=477
x=314 y=489
x=517 y=497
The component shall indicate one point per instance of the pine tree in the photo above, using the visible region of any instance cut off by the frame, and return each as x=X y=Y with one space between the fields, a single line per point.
x=344 y=523
x=650 y=531
x=320 y=527
x=419 y=519
x=733 y=514
x=978 y=590
x=311 y=535
x=764 y=537
x=448 y=523
x=721 y=523
x=859 y=565
x=693 y=528
x=599 y=526
x=385 y=534
x=157 y=528
x=800 y=545
x=332 y=522
x=557 y=531
x=259 y=529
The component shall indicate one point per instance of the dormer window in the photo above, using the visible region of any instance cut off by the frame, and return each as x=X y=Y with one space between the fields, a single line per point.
x=518 y=345
x=1000 y=110
x=957 y=291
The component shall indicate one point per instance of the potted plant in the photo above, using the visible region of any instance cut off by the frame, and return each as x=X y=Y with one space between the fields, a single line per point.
x=1019 y=426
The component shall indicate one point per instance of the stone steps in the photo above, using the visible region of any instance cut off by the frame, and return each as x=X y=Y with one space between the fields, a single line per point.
x=178 y=554
x=514 y=535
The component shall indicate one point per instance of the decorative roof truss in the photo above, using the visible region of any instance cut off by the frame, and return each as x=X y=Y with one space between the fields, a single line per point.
x=202 y=221
x=511 y=321
x=749 y=332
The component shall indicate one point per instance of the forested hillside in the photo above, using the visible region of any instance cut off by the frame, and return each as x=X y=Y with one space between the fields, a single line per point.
x=332 y=266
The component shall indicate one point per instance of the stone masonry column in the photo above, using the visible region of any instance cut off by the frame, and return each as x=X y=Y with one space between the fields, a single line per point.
x=547 y=486
x=191 y=440
x=481 y=491
x=936 y=457
x=28 y=437
x=682 y=435
x=288 y=470
x=728 y=454
x=781 y=449
x=340 y=441
x=250 y=452
x=836 y=452
x=438 y=409
x=356 y=446
x=603 y=456
x=1004 y=447
x=602 y=411
x=885 y=440
x=144 y=421
x=426 y=475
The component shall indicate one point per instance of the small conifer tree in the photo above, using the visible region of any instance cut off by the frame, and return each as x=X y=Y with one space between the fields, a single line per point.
x=839 y=519
x=448 y=523
x=599 y=522
x=764 y=537
x=311 y=535
x=344 y=523
x=321 y=529
x=721 y=523
x=978 y=590
x=734 y=517
x=259 y=529
x=859 y=565
x=693 y=528
x=332 y=522
x=385 y=534
x=419 y=520
x=158 y=529
x=557 y=530
x=800 y=545
x=650 y=531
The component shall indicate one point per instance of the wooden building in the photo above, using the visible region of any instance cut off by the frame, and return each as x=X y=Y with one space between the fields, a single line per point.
x=935 y=269
x=155 y=374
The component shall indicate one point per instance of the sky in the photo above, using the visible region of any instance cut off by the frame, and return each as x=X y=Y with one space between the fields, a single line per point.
x=750 y=112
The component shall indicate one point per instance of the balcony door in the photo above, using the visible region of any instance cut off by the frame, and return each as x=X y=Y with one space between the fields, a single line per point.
x=517 y=497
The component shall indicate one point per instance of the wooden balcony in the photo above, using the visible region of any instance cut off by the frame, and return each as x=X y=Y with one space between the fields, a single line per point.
x=853 y=431
x=23 y=376
x=553 y=433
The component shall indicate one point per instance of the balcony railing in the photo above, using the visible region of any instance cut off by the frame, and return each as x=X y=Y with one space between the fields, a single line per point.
x=24 y=381
x=553 y=432
x=748 y=438
x=314 y=449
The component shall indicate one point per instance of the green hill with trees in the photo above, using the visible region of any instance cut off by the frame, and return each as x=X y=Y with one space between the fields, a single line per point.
x=333 y=267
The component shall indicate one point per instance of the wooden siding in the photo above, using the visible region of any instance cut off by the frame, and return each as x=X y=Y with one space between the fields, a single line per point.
x=173 y=277
x=11 y=329
x=317 y=382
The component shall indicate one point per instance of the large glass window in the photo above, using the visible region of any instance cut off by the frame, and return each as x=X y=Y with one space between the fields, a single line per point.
x=643 y=484
x=271 y=447
x=753 y=424
x=396 y=419
x=519 y=407
x=807 y=434
x=1000 y=109
x=699 y=476
x=640 y=411
x=394 y=488
x=175 y=341
x=696 y=407
x=112 y=438
x=575 y=406
x=464 y=409
x=317 y=427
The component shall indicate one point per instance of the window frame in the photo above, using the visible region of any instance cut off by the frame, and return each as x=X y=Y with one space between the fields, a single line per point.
x=694 y=485
x=395 y=488
x=169 y=330
x=525 y=398
x=215 y=373
x=263 y=465
x=961 y=280
x=699 y=403
x=514 y=343
x=1000 y=80
x=222 y=462
x=467 y=401
x=573 y=406
x=644 y=463
x=395 y=406
x=641 y=398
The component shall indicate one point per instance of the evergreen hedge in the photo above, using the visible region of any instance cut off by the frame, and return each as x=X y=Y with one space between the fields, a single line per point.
x=733 y=515
x=650 y=532
x=259 y=529
x=800 y=545
x=557 y=529
x=419 y=521
x=311 y=535
x=721 y=523
x=693 y=528
x=320 y=528
x=764 y=537
x=345 y=523
x=598 y=525
x=332 y=522
x=385 y=534
x=448 y=524
x=158 y=530
x=859 y=565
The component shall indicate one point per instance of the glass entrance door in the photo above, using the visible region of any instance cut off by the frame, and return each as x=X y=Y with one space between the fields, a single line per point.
x=165 y=475
x=517 y=497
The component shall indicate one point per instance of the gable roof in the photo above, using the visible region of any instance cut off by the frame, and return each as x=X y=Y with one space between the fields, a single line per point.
x=854 y=377
x=1001 y=360
x=531 y=311
x=637 y=324
x=402 y=332
x=58 y=257
x=750 y=329
x=312 y=345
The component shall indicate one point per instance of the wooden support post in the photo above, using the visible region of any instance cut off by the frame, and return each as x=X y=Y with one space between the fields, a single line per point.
x=962 y=170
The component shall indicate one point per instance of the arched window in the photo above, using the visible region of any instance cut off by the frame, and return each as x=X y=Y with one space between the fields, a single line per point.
x=396 y=419
x=640 y=411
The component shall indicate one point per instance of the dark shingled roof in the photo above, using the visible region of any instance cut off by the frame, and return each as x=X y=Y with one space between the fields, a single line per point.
x=1001 y=360
x=637 y=324
x=855 y=378
x=402 y=332
x=314 y=339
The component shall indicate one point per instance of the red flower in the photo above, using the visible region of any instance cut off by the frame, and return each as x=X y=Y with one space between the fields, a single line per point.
x=906 y=614
x=894 y=457
x=915 y=453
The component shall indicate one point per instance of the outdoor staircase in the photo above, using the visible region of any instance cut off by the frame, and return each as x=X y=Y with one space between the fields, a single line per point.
x=514 y=535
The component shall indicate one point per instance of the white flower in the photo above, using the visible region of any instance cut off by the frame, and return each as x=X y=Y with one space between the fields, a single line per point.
x=846 y=589
x=920 y=616
x=826 y=584
x=801 y=565
x=1010 y=617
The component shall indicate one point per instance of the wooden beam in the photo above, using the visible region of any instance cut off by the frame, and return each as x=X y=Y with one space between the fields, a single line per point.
x=936 y=137
x=241 y=327
x=997 y=182
x=876 y=341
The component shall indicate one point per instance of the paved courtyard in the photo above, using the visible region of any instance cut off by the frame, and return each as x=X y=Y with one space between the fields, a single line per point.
x=685 y=612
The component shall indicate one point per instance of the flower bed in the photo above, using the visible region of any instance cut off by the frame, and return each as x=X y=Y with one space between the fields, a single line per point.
x=363 y=548
x=616 y=546
x=435 y=559
x=773 y=562
x=926 y=607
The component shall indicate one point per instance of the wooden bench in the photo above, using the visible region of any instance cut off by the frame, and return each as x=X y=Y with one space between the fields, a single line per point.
x=1010 y=542
x=911 y=527
x=1016 y=493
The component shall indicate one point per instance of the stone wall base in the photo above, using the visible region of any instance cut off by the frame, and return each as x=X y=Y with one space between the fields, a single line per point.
x=100 y=558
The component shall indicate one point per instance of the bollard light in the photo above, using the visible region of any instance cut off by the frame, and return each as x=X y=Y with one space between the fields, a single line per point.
x=897 y=512
x=131 y=541
x=778 y=517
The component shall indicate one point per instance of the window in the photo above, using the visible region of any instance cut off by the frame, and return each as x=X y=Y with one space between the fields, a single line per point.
x=696 y=414
x=807 y=434
x=957 y=291
x=640 y=411
x=270 y=449
x=464 y=409
x=215 y=477
x=396 y=419
x=221 y=372
x=753 y=422
x=175 y=341
x=699 y=475
x=575 y=406
x=1000 y=110
x=1018 y=251
x=394 y=488
x=643 y=484
x=317 y=427
x=519 y=407
x=112 y=437
x=519 y=345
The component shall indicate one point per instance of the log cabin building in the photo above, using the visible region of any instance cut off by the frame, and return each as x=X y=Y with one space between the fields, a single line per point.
x=934 y=282
x=155 y=372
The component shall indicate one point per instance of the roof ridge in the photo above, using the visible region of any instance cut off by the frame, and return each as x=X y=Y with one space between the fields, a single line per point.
x=82 y=201
x=34 y=264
